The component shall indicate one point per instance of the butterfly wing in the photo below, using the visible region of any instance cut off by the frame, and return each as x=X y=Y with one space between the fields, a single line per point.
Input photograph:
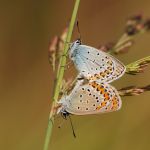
x=94 y=64
x=93 y=98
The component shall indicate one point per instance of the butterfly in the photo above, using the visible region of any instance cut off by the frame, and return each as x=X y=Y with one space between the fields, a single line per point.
x=90 y=98
x=95 y=65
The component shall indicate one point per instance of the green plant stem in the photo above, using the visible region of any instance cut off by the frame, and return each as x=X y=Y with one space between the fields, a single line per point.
x=60 y=74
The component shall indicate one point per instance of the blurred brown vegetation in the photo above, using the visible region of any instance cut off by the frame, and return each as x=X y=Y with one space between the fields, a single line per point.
x=26 y=77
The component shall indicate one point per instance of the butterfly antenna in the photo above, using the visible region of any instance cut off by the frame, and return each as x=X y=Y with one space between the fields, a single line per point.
x=78 y=30
x=72 y=127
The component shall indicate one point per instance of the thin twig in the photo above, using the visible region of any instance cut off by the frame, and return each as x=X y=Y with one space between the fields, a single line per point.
x=59 y=78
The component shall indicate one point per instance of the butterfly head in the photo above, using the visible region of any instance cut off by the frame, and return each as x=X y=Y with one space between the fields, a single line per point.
x=74 y=48
x=62 y=106
x=78 y=41
x=62 y=110
x=65 y=114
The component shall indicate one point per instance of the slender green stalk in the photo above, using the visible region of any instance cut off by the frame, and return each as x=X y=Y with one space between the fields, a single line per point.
x=60 y=74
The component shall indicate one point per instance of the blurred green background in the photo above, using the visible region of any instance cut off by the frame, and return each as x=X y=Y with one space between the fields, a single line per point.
x=26 y=78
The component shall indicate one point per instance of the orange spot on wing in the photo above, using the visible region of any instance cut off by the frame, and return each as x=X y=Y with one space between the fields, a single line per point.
x=103 y=74
x=98 y=107
x=106 y=72
x=103 y=104
x=98 y=88
x=101 y=89
x=106 y=96
x=114 y=103
x=93 y=84
x=96 y=75
x=91 y=78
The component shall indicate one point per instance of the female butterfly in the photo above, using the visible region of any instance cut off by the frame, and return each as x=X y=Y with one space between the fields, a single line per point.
x=90 y=98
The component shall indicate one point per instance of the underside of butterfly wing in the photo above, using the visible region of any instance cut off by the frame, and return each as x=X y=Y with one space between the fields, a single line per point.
x=94 y=64
x=93 y=98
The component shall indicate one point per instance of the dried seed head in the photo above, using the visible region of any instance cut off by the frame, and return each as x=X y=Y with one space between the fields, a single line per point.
x=137 y=18
x=107 y=47
x=138 y=66
x=131 y=30
x=147 y=24
x=55 y=48
x=133 y=90
x=52 y=50
x=136 y=91
x=124 y=48
x=64 y=34
x=62 y=41
x=136 y=24
x=146 y=88
x=53 y=45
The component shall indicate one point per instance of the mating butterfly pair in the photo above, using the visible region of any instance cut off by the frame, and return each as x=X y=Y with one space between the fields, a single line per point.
x=97 y=95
